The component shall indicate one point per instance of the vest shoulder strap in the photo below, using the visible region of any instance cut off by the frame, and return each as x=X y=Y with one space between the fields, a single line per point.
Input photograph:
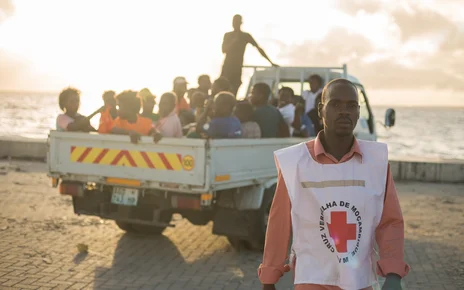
x=285 y=160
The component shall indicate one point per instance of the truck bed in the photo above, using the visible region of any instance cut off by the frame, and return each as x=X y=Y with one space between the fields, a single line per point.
x=184 y=165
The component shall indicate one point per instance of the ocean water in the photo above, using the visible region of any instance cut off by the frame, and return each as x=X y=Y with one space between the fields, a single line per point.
x=422 y=133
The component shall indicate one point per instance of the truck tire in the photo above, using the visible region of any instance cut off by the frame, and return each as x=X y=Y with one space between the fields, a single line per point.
x=257 y=225
x=134 y=228
x=258 y=221
x=127 y=227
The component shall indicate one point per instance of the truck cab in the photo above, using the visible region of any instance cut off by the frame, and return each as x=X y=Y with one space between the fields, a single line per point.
x=296 y=78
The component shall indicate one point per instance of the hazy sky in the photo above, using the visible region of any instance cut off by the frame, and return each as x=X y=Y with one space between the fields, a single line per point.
x=399 y=49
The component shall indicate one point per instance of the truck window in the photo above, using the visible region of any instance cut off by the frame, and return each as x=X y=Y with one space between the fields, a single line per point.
x=364 y=110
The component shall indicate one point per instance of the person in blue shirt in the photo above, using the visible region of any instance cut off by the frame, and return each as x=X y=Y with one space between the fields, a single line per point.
x=302 y=124
x=223 y=124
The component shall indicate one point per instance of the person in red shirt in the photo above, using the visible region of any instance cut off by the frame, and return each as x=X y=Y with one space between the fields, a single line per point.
x=297 y=208
x=180 y=89
x=129 y=121
x=109 y=112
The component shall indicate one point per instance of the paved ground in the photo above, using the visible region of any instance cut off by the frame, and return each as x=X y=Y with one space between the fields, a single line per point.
x=39 y=235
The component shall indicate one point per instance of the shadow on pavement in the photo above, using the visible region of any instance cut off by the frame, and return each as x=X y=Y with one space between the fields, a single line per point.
x=179 y=260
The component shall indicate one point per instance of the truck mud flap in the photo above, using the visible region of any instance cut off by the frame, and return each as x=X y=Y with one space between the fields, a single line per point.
x=230 y=222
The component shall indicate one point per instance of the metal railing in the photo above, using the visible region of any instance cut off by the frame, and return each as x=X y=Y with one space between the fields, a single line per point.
x=324 y=71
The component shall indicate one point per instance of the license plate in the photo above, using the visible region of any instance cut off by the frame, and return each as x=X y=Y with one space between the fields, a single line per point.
x=125 y=196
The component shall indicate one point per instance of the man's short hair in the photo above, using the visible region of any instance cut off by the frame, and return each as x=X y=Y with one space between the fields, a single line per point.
x=244 y=111
x=317 y=77
x=263 y=89
x=222 y=83
x=108 y=95
x=130 y=99
x=287 y=89
x=201 y=77
x=326 y=90
x=66 y=94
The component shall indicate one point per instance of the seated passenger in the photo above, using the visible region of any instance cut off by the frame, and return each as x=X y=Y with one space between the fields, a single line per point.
x=71 y=120
x=109 y=112
x=220 y=85
x=148 y=104
x=302 y=125
x=313 y=115
x=244 y=112
x=198 y=104
x=204 y=86
x=129 y=121
x=286 y=107
x=268 y=117
x=179 y=87
x=169 y=124
x=316 y=84
x=223 y=124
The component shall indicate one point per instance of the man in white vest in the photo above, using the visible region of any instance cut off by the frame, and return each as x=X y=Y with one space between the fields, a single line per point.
x=336 y=196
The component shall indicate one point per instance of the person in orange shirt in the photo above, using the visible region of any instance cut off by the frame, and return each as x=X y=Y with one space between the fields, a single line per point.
x=336 y=196
x=130 y=122
x=109 y=112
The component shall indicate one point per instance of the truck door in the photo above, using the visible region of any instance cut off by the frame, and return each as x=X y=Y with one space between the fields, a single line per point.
x=365 y=129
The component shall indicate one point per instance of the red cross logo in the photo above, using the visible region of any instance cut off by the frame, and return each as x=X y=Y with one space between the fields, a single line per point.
x=340 y=231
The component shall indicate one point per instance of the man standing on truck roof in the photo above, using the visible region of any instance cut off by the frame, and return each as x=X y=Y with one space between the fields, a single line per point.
x=336 y=194
x=233 y=45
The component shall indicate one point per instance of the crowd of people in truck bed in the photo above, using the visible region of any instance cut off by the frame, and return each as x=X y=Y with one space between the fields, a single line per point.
x=210 y=110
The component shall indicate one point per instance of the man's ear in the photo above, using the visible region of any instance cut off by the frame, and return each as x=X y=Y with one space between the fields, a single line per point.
x=320 y=107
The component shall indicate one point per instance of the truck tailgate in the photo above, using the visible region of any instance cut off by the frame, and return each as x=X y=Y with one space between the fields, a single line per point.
x=180 y=161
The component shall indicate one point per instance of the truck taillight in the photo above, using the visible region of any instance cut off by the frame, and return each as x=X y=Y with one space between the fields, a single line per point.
x=55 y=182
x=72 y=188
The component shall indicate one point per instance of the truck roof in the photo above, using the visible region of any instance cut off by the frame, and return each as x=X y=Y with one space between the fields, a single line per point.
x=295 y=73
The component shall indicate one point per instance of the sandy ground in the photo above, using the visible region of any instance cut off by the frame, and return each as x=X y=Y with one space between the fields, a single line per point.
x=434 y=217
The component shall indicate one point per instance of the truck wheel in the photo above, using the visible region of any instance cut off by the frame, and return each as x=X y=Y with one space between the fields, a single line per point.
x=165 y=217
x=127 y=227
x=148 y=230
x=258 y=222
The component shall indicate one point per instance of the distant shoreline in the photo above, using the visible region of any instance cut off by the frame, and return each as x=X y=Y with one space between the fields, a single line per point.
x=381 y=106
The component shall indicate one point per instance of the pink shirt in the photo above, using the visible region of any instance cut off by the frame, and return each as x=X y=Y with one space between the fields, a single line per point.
x=389 y=233
x=170 y=126
x=63 y=121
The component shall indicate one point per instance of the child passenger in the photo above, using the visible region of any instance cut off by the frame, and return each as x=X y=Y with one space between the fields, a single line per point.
x=71 y=120
x=129 y=121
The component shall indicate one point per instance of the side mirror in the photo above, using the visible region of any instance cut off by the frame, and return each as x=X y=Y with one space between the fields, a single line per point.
x=390 y=117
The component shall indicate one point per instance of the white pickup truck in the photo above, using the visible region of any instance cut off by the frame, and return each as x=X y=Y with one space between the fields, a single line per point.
x=140 y=186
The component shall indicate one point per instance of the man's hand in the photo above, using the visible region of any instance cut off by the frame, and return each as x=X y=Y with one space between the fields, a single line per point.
x=269 y=287
x=299 y=109
x=134 y=137
x=392 y=282
x=157 y=137
x=275 y=65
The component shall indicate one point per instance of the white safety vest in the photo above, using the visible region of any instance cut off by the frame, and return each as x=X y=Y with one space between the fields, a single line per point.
x=335 y=211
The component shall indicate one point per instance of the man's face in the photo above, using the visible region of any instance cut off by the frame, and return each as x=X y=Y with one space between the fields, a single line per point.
x=180 y=89
x=72 y=105
x=205 y=84
x=285 y=98
x=255 y=98
x=167 y=105
x=237 y=23
x=314 y=84
x=124 y=110
x=148 y=104
x=221 y=107
x=340 y=109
